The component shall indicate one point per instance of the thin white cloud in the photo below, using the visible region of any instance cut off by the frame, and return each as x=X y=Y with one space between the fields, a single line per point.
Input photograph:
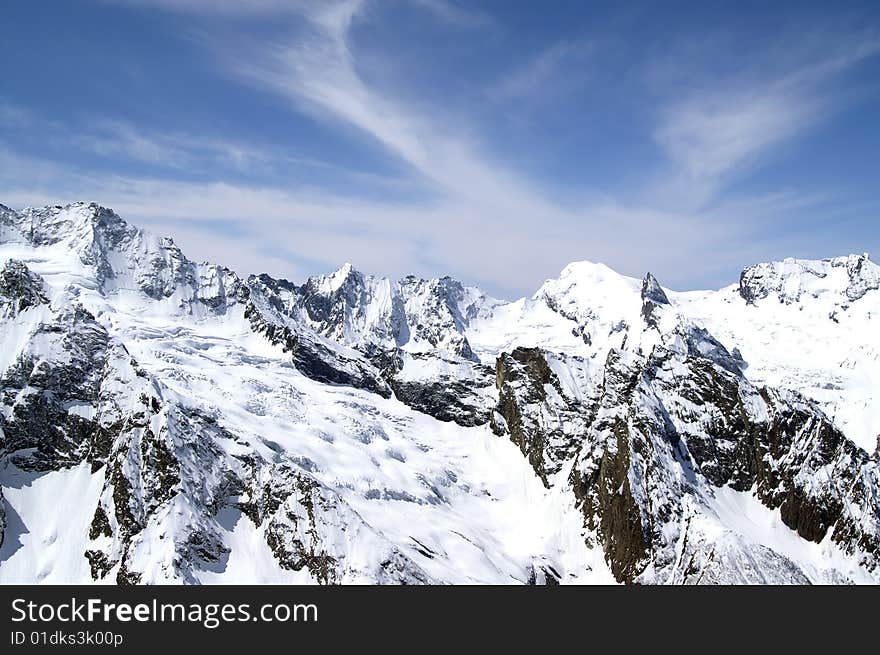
x=722 y=130
x=553 y=66
x=117 y=139
x=220 y=8
x=318 y=73
x=294 y=232
x=114 y=138
x=454 y=13
x=712 y=138
x=14 y=117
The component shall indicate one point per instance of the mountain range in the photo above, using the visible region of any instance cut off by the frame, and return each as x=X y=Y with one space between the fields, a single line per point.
x=167 y=421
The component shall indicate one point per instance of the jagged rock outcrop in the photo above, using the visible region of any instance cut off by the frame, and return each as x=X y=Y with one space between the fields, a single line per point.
x=456 y=390
x=439 y=311
x=122 y=256
x=412 y=331
x=374 y=315
x=652 y=297
x=348 y=328
x=613 y=472
x=308 y=526
x=545 y=416
x=353 y=309
x=20 y=289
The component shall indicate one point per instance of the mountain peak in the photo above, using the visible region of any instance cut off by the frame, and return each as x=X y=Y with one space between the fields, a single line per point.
x=584 y=288
x=340 y=277
x=792 y=280
x=651 y=290
x=75 y=222
x=588 y=271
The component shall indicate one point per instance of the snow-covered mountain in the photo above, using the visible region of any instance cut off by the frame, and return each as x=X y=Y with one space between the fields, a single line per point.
x=168 y=421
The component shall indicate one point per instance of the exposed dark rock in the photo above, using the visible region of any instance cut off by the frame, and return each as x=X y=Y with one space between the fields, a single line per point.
x=126 y=578
x=2 y=516
x=601 y=479
x=297 y=510
x=98 y=564
x=445 y=400
x=318 y=361
x=722 y=448
x=548 y=432
x=100 y=525
x=665 y=421
x=460 y=399
x=20 y=289
x=652 y=297
x=611 y=511
x=291 y=534
x=442 y=314
x=702 y=345
x=543 y=574
x=651 y=290
x=39 y=393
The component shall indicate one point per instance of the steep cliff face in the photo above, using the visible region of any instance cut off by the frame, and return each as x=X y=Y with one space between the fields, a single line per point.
x=55 y=384
x=545 y=404
x=447 y=388
x=353 y=429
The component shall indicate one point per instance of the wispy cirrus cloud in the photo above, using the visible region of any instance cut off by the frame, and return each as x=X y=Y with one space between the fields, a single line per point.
x=122 y=141
x=716 y=133
x=115 y=138
x=14 y=117
x=459 y=14
x=214 y=8
x=559 y=65
x=455 y=13
x=318 y=74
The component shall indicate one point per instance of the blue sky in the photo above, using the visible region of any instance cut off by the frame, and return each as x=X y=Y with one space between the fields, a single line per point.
x=492 y=141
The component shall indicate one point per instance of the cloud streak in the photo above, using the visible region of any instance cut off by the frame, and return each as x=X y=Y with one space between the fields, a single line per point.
x=454 y=13
x=715 y=135
x=292 y=233
x=551 y=66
